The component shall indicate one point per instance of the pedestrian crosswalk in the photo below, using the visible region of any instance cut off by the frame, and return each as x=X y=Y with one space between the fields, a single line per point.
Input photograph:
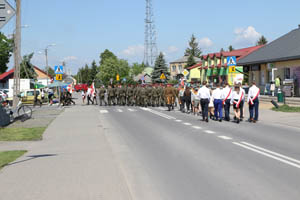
x=116 y=110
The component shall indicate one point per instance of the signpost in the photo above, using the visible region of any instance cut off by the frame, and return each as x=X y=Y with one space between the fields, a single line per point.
x=231 y=63
x=162 y=76
x=118 y=77
x=59 y=70
x=186 y=73
x=6 y=12
x=58 y=77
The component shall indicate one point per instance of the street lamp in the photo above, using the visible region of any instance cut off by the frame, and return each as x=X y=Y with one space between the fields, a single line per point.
x=46 y=56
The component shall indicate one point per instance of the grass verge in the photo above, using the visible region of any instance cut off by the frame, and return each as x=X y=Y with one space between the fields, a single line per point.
x=21 y=134
x=286 y=108
x=7 y=157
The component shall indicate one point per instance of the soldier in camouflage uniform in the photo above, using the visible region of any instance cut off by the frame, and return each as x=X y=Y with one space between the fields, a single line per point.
x=143 y=96
x=155 y=96
x=149 y=95
x=122 y=95
x=102 y=92
x=130 y=95
x=162 y=95
x=111 y=96
x=117 y=94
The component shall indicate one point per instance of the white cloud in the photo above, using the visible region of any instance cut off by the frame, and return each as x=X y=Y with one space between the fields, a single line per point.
x=246 y=36
x=172 y=49
x=135 y=50
x=69 y=58
x=205 y=43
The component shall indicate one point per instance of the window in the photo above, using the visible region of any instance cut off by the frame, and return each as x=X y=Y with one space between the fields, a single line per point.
x=174 y=68
x=180 y=68
x=287 y=73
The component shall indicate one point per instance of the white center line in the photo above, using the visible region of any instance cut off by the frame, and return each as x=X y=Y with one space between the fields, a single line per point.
x=197 y=127
x=268 y=155
x=209 y=132
x=178 y=120
x=103 y=111
x=119 y=110
x=188 y=124
x=225 y=137
x=131 y=110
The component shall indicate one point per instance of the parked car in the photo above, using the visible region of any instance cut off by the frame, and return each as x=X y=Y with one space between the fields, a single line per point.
x=3 y=94
x=27 y=96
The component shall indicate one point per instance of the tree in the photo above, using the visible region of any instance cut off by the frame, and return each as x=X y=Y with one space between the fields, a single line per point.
x=136 y=69
x=191 y=61
x=93 y=70
x=262 y=41
x=106 y=55
x=193 y=48
x=159 y=68
x=6 y=49
x=50 y=70
x=26 y=68
x=230 y=48
x=222 y=50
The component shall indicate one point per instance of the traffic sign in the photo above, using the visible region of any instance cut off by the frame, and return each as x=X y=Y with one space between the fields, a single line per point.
x=59 y=77
x=6 y=12
x=186 y=73
x=59 y=70
x=162 y=76
x=232 y=69
x=231 y=61
x=118 y=77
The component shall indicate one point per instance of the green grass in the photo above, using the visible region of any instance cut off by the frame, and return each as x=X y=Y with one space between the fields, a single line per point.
x=286 y=108
x=7 y=157
x=21 y=134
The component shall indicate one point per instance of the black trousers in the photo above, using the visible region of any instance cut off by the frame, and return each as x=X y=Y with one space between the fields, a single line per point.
x=204 y=107
x=182 y=100
x=227 y=109
x=188 y=103
x=242 y=109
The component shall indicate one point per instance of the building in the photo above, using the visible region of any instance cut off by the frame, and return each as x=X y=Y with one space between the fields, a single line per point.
x=6 y=80
x=282 y=56
x=177 y=67
x=214 y=66
x=195 y=73
x=145 y=75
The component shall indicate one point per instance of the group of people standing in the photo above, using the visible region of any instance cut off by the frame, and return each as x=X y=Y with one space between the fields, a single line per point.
x=210 y=103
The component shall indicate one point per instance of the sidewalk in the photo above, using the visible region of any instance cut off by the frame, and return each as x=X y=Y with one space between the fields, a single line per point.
x=73 y=161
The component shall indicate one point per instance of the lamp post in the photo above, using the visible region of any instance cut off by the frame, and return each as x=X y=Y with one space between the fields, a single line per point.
x=46 y=56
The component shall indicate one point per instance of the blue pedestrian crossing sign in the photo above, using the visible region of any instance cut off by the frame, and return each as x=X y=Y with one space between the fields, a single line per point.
x=59 y=70
x=231 y=61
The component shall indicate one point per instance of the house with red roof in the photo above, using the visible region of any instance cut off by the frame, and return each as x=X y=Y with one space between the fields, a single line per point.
x=214 y=67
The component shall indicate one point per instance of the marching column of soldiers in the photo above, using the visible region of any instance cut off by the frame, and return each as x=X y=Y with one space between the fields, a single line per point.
x=138 y=95
x=211 y=102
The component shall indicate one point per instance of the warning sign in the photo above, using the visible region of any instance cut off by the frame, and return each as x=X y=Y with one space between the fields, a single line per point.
x=162 y=76
x=186 y=73
x=59 y=77
x=231 y=61
x=231 y=69
x=118 y=77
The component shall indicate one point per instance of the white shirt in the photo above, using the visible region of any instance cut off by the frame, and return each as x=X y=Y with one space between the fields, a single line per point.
x=227 y=92
x=242 y=90
x=236 y=96
x=218 y=94
x=253 y=91
x=204 y=93
x=194 y=96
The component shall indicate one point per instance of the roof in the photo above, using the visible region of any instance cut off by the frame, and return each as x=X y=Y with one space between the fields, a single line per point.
x=195 y=66
x=6 y=74
x=184 y=59
x=287 y=47
x=239 y=53
x=11 y=72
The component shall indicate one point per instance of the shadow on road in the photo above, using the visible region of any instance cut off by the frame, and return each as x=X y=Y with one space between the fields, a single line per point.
x=31 y=158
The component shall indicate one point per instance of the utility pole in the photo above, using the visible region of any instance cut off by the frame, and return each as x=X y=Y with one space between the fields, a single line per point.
x=17 y=53
x=47 y=66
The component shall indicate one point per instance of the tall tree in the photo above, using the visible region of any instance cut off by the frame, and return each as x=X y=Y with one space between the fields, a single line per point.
x=94 y=70
x=262 y=41
x=137 y=68
x=221 y=50
x=6 y=49
x=230 y=48
x=106 y=55
x=193 y=48
x=50 y=70
x=159 y=68
x=191 y=61
x=26 y=68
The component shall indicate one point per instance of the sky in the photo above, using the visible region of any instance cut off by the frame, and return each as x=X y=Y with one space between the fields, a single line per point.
x=82 y=29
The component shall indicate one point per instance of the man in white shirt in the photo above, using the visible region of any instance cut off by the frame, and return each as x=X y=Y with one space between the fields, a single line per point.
x=253 y=101
x=227 y=93
x=204 y=95
x=218 y=97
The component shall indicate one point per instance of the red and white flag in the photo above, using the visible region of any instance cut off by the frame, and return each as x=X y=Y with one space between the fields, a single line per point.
x=92 y=89
x=69 y=88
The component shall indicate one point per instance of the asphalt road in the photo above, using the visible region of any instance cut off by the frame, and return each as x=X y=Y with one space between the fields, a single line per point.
x=170 y=155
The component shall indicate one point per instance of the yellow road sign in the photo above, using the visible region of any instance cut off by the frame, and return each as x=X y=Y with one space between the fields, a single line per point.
x=118 y=77
x=232 y=69
x=162 y=76
x=59 y=77
x=186 y=72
